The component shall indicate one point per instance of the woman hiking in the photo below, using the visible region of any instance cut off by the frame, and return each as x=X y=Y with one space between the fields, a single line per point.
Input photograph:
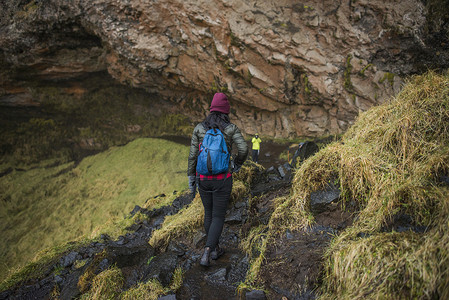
x=215 y=189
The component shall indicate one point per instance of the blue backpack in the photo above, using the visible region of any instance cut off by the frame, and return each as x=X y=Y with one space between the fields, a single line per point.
x=214 y=156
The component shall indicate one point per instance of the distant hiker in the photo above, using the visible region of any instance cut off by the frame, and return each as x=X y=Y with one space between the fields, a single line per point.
x=214 y=189
x=256 y=147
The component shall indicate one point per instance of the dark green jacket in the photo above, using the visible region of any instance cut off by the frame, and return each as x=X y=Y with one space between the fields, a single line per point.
x=232 y=136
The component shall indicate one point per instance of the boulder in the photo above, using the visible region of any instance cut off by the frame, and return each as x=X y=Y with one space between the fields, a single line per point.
x=321 y=198
x=304 y=151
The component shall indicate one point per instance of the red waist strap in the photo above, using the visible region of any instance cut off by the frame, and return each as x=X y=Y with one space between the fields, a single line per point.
x=215 y=177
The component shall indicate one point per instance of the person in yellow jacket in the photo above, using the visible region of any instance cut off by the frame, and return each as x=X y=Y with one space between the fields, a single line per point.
x=256 y=147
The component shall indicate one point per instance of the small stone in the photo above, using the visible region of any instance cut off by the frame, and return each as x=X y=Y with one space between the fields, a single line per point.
x=234 y=217
x=136 y=209
x=199 y=237
x=240 y=204
x=281 y=171
x=167 y=297
x=287 y=166
x=178 y=249
x=158 y=221
x=321 y=198
x=255 y=295
x=69 y=259
x=271 y=169
x=121 y=240
x=104 y=264
x=218 y=276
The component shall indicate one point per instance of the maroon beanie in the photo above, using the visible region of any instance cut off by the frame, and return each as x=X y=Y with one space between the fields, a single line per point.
x=220 y=103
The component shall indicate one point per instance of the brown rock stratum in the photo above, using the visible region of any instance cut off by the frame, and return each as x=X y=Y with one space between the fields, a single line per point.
x=290 y=68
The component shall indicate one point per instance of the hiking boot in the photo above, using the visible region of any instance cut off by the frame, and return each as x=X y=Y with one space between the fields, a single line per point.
x=204 y=261
x=216 y=253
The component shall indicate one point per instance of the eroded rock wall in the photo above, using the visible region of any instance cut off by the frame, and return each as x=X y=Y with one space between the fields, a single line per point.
x=289 y=68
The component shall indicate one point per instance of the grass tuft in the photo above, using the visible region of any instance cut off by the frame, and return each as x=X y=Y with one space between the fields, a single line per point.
x=187 y=221
x=249 y=173
x=106 y=285
x=239 y=191
x=388 y=164
x=254 y=245
x=153 y=289
x=150 y=290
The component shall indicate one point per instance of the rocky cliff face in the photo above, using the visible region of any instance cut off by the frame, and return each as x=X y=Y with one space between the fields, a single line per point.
x=289 y=68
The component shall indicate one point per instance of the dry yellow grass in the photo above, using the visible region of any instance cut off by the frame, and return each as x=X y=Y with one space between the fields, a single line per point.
x=239 y=191
x=109 y=284
x=388 y=163
x=106 y=285
x=248 y=172
x=185 y=222
x=150 y=290
x=153 y=289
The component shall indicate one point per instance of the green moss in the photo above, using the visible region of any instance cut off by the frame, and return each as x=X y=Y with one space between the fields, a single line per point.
x=306 y=83
x=235 y=41
x=387 y=76
x=362 y=72
x=255 y=246
x=153 y=289
x=186 y=222
x=227 y=65
x=28 y=10
x=93 y=110
x=169 y=124
x=347 y=74
x=217 y=87
x=50 y=204
x=249 y=77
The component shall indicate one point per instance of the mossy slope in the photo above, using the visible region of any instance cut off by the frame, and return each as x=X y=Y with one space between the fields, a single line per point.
x=48 y=205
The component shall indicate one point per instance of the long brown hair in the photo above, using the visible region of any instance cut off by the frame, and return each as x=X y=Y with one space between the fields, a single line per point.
x=216 y=120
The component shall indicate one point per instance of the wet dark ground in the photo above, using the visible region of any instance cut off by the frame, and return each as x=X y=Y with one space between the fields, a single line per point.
x=219 y=281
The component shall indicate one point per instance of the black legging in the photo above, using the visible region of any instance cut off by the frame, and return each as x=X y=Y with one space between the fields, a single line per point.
x=255 y=155
x=215 y=196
